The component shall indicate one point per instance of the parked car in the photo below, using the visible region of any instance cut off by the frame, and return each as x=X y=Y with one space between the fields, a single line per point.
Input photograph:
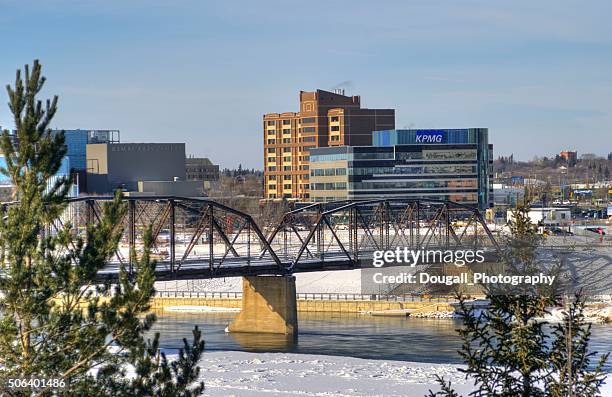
x=557 y=231
x=597 y=230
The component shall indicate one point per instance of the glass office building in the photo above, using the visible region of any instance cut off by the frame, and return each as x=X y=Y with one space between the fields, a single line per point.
x=451 y=165
x=76 y=144
x=63 y=172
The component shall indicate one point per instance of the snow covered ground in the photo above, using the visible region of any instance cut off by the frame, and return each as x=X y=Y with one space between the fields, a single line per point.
x=243 y=374
x=339 y=281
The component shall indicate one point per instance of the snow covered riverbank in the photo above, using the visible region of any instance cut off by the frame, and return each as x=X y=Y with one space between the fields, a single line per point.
x=243 y=374
x=284 y=374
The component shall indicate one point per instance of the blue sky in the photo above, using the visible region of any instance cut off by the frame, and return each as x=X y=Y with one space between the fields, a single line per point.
x=538 y=74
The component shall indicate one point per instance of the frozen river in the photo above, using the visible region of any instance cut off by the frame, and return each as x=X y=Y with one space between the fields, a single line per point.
x=335 y=355
x=351 y=335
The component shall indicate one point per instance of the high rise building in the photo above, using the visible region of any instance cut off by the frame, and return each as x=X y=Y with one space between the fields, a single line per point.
x=454 y=164
x=325 y=119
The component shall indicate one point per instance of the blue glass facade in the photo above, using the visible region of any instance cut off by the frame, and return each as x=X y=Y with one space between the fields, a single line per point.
x=76 y=143
x=451 y=165
x=63 y=172
x=410 y=137
x=4 y=179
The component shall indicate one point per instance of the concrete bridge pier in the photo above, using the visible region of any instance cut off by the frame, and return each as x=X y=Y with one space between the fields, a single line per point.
x=268 y=306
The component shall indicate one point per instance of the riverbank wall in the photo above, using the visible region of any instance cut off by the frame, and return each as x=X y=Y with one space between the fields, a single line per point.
x=326 y=303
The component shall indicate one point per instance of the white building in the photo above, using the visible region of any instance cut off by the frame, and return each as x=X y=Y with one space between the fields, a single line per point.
x=548 y=216
x=507 y=195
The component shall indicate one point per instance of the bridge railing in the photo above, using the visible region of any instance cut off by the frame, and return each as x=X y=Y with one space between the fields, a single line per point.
x=198 y=294
x=330 y=296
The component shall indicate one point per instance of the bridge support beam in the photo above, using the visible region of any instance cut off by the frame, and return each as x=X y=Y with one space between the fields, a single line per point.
x=268 y=306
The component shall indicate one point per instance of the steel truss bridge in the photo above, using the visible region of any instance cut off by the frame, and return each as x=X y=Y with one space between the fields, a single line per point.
x=197 y=238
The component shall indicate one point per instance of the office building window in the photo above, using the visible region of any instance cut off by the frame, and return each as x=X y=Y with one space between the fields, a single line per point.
x=308 y=129
x=286 y=122
x=271 y=150
x=335 y=128
x=308 y=120
x=334 y=118
x=271 y=122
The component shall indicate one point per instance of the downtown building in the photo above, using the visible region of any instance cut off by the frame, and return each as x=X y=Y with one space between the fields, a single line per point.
x=450 y=164
x=74 y=163
x=147 y=169
x=325 y=119
x=201 y=169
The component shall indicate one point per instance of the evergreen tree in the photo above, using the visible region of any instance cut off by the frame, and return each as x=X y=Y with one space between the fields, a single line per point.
x=507 y=347
x=56 y=322
x=570 y=357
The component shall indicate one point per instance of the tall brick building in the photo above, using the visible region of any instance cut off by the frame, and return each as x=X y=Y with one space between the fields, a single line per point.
x=325 y=119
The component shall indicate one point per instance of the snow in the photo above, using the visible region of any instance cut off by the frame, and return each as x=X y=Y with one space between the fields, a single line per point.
x=339 y=281
x=244 y=374
x=286 y=374
x=598 y=315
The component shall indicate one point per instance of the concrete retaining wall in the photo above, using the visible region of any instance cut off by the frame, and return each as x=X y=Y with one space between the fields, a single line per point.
x=303 y=305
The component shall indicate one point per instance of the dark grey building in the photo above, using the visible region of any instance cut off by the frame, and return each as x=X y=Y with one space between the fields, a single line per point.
x=123 y=165
x=201 y=169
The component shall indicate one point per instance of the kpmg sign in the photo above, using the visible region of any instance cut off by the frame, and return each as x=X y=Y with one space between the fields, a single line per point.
x=430 y=136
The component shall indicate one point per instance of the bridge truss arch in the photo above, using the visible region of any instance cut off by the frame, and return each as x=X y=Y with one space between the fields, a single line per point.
x=192 y=237
x=197 y=238
x=349 y=232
